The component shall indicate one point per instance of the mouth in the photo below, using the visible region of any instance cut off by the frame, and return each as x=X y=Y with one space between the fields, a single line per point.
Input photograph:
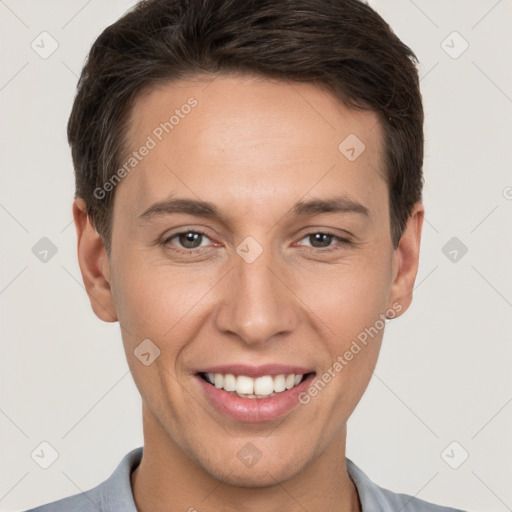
x=253 y=395
x=265 y=386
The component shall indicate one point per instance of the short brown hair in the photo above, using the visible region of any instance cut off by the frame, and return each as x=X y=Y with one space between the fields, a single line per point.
x=341 y=44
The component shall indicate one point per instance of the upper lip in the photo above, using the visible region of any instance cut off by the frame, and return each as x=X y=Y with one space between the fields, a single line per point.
x=257 y=371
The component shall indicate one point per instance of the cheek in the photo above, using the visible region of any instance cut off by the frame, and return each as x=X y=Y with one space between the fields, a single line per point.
x=169 y=305
x=349 y=296
x=166 y=305
x=153 y=299
x=349 y=300
x=357 y=302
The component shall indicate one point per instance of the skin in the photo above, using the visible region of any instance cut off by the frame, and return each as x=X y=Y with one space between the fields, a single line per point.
x=253 y=147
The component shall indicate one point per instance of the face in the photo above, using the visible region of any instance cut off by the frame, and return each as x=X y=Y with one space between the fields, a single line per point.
x=249 y=245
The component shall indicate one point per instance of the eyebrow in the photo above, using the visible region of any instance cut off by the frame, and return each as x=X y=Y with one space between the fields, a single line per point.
x=177 y=205
x=206 y=209
x=342 y=204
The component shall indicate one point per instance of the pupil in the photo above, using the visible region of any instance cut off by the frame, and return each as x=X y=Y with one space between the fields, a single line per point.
x=190 y=240
x=321 y=239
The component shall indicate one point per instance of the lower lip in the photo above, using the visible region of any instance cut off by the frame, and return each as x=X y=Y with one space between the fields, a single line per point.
x=254 y=410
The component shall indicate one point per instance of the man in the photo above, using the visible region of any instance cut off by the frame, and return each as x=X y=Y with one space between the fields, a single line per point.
x=248 y=208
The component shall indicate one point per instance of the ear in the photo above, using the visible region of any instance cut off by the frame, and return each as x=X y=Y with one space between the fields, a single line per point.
x=405 y=261
x=94 y=264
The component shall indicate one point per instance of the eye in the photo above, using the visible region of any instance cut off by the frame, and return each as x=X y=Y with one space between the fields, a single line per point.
x=322 y=240
x=189 y=240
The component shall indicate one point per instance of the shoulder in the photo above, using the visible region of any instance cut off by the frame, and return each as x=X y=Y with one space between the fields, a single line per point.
x=89 y=501
x=377 y=499
x=112 y=495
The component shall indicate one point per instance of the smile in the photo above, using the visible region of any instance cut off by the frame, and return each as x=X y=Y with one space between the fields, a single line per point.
x=247 y=387
x=253 y=394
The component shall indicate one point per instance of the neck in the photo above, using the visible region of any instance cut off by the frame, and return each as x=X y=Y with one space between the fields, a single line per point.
x=168 y=479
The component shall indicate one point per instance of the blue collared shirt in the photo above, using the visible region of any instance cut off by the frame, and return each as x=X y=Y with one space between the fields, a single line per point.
x=115 y=494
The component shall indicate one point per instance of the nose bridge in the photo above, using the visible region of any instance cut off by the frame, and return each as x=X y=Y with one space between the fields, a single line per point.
x=257 y=305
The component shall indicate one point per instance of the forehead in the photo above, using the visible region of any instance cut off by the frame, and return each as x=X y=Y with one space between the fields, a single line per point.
x=245 y=140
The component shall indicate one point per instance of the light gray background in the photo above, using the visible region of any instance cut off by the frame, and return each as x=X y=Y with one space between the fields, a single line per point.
x=444 y=371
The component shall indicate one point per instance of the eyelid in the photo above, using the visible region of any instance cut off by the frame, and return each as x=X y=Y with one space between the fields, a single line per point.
x=333 y=235
x=166 y=238
x=170 y=237
x=337 y=232
x=166 y=245
x=181 y=230
x=312 y=229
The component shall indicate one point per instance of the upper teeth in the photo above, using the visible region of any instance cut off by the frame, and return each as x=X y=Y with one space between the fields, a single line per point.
x=263 y=386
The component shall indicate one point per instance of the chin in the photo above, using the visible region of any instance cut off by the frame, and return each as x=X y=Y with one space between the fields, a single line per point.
x=248 y=478
x=263 y=473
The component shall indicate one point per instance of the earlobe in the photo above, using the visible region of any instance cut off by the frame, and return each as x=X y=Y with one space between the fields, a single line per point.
x=94 y=264
x=406 y=260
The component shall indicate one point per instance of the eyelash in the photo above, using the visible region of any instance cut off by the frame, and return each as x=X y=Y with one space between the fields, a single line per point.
x=341 y=242
x=188 y=252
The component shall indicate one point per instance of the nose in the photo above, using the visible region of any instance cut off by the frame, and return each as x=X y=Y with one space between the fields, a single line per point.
x=257 y=304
